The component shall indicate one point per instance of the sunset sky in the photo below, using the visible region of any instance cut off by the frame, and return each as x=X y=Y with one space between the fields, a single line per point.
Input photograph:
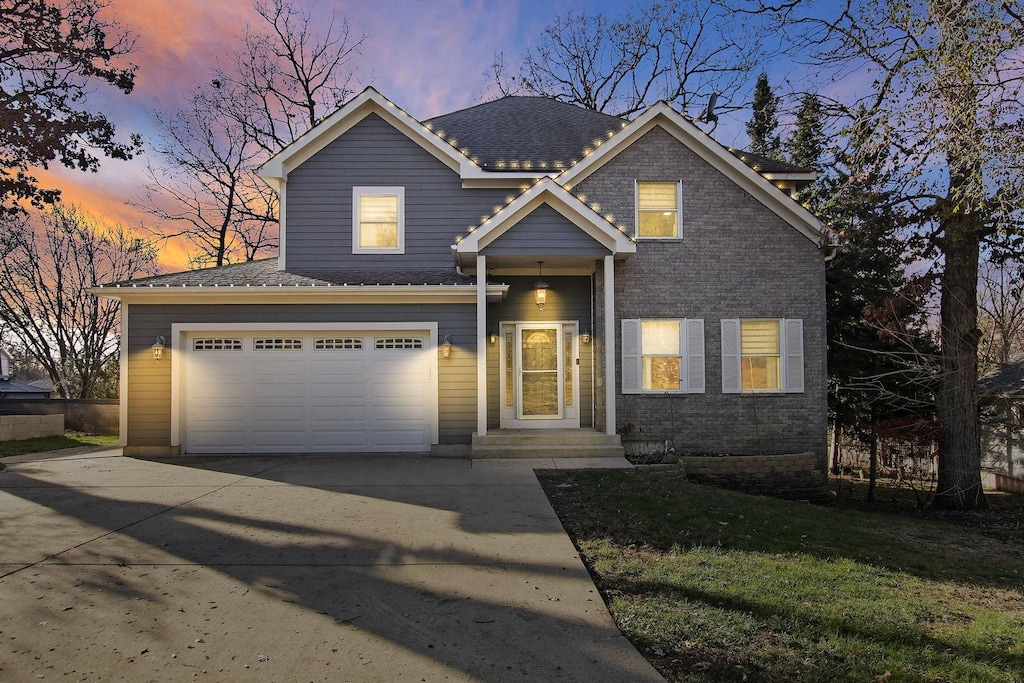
x=429 y=56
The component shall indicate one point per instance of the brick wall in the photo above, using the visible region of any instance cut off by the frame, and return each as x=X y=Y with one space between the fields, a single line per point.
x=734 y=259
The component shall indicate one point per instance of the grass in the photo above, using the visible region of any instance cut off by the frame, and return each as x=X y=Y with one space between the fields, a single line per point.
x=713 y=585
x=54 y=443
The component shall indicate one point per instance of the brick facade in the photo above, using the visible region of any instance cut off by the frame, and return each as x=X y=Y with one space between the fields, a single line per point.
x=734 y=259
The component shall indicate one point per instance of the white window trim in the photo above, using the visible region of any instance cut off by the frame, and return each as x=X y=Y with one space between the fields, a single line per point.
x=636 y=210
x=791 y=356
x=691 y=356
x=388 y=191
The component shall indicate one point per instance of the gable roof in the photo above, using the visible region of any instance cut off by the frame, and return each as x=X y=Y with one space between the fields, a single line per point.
x=369 y=101
x=528 y=133
x=1004 y=381
x=545 y=191
x=772 y=168
x=14 y=389
x=719 y=157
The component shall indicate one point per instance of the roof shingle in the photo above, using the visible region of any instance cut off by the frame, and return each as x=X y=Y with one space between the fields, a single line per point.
x=264 y=273
x=526 y=133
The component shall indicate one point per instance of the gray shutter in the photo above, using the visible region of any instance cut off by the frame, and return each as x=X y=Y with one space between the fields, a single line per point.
x=694 y=331
x=794 y=331
x=731 y=356
x=631 y=356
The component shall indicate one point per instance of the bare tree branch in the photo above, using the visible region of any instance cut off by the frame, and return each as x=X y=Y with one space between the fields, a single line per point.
x=673 y=51
x=290 y=72
x=48 y=263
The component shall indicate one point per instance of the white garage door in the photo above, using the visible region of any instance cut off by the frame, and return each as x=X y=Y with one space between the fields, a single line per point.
x=308 y=392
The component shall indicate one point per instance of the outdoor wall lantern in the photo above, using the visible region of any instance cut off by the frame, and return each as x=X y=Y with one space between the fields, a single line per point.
x=446 y=347
x=585 y=337
x=492 y=337
x=540 y=288
x=158 y=349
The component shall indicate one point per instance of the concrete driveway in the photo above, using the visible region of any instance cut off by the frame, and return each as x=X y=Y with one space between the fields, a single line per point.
x=285 y=568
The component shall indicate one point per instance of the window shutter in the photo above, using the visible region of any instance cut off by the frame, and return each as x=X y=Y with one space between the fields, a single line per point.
x=694 y=335
x=730 y=356
x=794 y=356
x=630 y=356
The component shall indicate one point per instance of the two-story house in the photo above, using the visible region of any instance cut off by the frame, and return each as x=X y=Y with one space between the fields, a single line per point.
x=519 y=266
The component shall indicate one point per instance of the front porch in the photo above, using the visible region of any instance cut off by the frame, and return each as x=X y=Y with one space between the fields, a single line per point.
x=538 y=364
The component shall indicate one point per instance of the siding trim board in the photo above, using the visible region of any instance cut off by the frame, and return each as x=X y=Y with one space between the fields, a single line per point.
x=341 y=294
x=122 y=369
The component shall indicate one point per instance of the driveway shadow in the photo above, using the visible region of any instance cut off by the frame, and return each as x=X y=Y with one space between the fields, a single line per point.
x=429 y=570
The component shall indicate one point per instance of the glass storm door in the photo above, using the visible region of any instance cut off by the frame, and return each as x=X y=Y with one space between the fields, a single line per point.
x=539 y=375
x=540 y=371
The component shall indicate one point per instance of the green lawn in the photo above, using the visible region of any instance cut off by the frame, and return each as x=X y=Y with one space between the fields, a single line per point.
x=54 y=443
x=713 y=585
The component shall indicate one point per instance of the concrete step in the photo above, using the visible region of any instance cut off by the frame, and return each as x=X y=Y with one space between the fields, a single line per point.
x=547 y=451
x=547 y=443
x=549 y=437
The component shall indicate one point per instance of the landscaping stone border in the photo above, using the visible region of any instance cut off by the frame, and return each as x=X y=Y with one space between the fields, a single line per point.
x=18 y=427
x=793 y=476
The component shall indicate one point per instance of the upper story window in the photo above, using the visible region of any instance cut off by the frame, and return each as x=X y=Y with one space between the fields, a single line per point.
x=657 y=209
x=378 y=220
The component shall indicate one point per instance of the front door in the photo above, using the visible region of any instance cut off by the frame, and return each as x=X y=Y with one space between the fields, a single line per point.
x=539 y=371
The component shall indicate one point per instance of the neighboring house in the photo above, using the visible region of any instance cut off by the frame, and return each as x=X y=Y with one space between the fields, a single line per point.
x=1002 y=399
x=13 y=390
x=521 y=264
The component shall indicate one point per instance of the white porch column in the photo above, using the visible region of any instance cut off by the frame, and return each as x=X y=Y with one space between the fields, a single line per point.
x=609 y=345
x=481 y=345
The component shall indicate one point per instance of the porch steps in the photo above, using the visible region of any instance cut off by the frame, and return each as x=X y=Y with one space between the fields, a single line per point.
x=546 y=443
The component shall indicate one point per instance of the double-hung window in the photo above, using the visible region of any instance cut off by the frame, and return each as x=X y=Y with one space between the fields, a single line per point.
x=762 y=355
x=378 y=220
x=658 y=209
x=660 y=356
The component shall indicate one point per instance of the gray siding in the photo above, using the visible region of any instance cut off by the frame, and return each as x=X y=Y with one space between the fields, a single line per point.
x=544 y=232
x=570 y=298
x=318 y=209
x=149 y=382
x=734 y=259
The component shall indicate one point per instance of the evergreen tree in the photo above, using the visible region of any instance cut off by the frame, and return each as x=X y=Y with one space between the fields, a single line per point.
x=807 y=143
x=764 y=124
x=880 y=356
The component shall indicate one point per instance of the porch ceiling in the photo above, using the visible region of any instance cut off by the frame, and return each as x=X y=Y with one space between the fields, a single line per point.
x=526 y=264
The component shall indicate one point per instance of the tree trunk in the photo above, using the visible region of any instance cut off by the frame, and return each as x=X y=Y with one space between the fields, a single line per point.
x=873 y=464
x=1009 y=441
x=959 y=485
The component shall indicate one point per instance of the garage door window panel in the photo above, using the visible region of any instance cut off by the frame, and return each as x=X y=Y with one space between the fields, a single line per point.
x=389 y=343
x=276 y=344
x=214 y=344
x=337 y=344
